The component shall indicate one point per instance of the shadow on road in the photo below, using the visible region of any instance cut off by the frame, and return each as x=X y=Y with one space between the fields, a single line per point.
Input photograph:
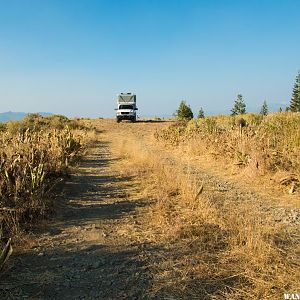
x=95 y=272
x=85 y=254
x=67 y=266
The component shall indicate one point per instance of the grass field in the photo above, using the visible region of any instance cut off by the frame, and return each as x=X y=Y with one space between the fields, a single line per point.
x=35 y=155
x=260 y=146
x=212 y=205
x=223 y=245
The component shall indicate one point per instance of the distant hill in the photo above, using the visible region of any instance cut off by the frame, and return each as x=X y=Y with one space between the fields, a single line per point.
x=16 y=116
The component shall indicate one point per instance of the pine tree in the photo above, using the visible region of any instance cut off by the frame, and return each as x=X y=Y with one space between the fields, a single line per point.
x=201 y=113
x=184 y=112
x=239 y=106
x=264 y=109
x=280 y=109
x=295 y=100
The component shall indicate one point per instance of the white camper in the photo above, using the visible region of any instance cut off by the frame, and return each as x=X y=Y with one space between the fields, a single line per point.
x=126 y=107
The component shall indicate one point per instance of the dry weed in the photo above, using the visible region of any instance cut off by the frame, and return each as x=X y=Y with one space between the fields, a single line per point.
x=216 y=250
x=34 y=155
x=265 y=145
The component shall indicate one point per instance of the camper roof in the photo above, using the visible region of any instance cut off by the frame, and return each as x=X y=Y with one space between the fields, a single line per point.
x=126 y=98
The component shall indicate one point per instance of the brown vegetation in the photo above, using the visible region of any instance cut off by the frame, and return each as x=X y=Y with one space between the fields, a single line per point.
x=209 y=238
x=261 y=145
x=219 y=246
x=35 y=154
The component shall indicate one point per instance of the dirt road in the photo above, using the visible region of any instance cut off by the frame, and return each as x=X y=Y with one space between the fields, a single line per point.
x=86 y=251
x=95 y=247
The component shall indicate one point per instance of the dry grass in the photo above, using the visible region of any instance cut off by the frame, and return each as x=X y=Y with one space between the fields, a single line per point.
x=267 y=144
x=265 y=151
x=215 y=249
x=35 y=155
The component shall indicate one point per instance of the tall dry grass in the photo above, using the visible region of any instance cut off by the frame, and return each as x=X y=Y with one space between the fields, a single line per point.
x=214 y=248
x=34 y=155
x=265 y=145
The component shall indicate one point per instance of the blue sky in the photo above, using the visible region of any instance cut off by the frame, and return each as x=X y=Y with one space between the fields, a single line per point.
x=73 y=56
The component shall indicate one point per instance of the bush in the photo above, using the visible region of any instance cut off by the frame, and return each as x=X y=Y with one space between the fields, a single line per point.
x=3 y=127
x=184 y=112
x=268 y=143
x=35 y=153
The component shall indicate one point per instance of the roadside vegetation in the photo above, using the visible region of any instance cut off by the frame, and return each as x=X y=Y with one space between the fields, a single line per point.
x=35 y=155
x=295 y=100
x=219 y=243
x=222 y=242
x=184 y=112
x=264 y=145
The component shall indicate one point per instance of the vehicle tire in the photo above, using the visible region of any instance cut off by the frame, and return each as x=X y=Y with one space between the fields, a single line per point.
x=133 y=120
x=118 y=120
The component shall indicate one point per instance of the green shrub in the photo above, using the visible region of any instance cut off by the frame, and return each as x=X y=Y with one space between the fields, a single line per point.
x=184 y=112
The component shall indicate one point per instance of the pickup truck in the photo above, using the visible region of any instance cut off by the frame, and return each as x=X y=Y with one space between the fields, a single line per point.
x=126 y=107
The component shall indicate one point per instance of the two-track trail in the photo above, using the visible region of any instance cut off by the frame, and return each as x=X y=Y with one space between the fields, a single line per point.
x=84 y=252
x=97 y=244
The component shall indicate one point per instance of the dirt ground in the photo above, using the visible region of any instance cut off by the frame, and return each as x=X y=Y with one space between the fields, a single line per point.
x=95 y=246
x=83 y=252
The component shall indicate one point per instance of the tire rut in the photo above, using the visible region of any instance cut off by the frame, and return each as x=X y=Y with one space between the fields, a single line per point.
x=83 y=252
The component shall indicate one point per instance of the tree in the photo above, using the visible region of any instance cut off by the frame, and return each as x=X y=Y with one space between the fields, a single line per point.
x=295 y=100
x=264 y=109
x=184 y=112
x=201 y=113
x=239 y=106
x=280 y=109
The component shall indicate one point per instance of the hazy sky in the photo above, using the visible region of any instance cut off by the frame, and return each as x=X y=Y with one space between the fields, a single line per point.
x=73 y=56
